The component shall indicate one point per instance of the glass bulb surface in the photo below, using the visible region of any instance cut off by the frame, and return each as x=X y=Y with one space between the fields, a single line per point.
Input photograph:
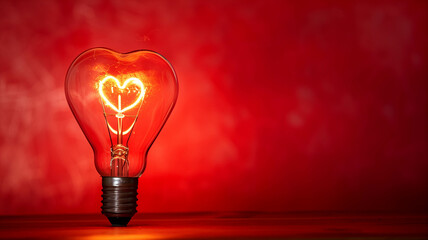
x=121 y=102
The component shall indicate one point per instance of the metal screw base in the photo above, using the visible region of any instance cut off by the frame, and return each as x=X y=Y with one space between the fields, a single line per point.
x=119 y=199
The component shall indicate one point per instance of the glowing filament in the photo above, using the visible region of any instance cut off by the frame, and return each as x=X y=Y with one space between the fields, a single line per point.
x=124 y=133
x=118 y=109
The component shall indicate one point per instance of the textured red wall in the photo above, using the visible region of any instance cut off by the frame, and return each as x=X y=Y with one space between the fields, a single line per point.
x=283 y=106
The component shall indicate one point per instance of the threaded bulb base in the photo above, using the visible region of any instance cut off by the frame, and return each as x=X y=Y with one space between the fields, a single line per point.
x=119 y=199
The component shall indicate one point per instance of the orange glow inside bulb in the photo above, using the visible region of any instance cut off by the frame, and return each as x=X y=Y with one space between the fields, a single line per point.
x=132 y=91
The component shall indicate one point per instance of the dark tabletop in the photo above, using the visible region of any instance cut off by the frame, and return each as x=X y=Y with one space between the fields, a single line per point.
x=220 y=226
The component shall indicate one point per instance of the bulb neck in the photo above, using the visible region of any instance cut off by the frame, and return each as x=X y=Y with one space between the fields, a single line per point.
x=119 y=161
x=119 y=199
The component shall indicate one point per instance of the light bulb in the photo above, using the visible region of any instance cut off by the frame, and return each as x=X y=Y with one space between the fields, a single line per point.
x=121 y=102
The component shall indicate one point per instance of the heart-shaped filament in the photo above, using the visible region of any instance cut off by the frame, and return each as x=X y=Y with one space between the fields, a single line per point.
x=119 y=109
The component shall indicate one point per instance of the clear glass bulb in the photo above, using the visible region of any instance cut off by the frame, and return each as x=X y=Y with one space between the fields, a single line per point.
x=121 y=102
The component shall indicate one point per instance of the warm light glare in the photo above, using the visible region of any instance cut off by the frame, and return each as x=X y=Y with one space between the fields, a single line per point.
x=118 y=109
x=124 y=132
x=118 y=236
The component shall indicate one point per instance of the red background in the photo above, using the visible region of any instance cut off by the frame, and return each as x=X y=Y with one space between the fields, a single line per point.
x=283 y=106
